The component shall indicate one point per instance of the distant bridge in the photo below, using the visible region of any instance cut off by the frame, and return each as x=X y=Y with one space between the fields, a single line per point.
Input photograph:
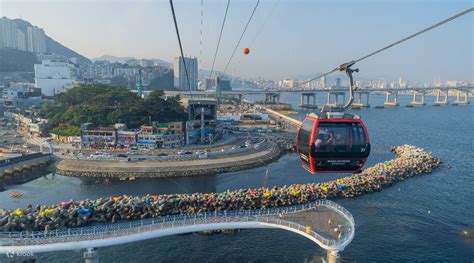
x=302 y=90
x=308 y=96
x=324 y=222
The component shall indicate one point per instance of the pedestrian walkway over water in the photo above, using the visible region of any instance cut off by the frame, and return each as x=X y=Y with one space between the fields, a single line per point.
x=324 y=222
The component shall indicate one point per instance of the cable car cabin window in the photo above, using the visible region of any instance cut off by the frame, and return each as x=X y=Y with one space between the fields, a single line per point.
x=304 y=137
x=340 y=140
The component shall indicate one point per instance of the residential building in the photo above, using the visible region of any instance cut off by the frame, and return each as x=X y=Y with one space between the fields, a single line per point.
x=338 y=83
x=8 y=33
x=180 y=78
x=31 y=124
x=323 y=82
x=287 y=83
x=21 y=40
x=20 y=95
x=99 y=137
x=175 y=127
x=36 y=39
x=126 y=138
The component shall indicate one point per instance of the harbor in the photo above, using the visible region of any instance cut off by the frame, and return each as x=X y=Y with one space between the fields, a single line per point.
x=410 y=161
x=284 y=171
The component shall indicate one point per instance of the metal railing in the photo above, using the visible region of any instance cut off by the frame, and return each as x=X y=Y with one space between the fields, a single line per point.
x=22 y=158
x=107 y=231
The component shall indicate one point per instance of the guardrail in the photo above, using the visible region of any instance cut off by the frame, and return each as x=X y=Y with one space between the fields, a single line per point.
x=172 y=157
x=21 y=158
x=152 y=224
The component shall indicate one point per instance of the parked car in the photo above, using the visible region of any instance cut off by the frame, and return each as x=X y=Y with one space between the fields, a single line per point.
x=200 y=152
x=162 y=154
x=121 y=155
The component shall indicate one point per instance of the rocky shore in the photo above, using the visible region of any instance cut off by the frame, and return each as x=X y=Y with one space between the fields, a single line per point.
x=409 y=161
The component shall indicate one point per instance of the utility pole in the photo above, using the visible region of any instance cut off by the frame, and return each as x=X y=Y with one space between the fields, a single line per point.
x=202 y=124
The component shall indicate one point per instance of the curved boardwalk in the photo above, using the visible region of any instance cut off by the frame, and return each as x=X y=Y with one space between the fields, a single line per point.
x=324 y=222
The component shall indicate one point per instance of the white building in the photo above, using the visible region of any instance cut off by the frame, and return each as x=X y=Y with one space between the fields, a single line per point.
x=36 y=40
x=180 y=80
x=53 y=77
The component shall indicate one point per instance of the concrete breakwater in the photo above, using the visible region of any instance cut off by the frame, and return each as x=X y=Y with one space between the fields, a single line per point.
x=409 y=161
x=154 y=169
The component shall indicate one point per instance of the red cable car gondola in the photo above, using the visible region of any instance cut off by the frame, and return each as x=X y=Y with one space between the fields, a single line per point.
x=337 y=142
x=334 y=141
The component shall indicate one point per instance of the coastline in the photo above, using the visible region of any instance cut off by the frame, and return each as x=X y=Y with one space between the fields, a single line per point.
x=409 y=161
x=157 y=169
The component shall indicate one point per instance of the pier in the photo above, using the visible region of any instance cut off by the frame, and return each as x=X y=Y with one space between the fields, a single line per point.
x=323 y=222
x=290 y=123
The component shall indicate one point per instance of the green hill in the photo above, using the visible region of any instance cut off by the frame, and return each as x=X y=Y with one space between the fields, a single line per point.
x=13 y=60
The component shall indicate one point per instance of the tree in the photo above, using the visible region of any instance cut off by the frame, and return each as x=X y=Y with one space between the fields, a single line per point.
x=104 y=105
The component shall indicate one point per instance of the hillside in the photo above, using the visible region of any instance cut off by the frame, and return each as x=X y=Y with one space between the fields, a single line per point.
x=13 y=60
x=52 y=46
x=113 y=59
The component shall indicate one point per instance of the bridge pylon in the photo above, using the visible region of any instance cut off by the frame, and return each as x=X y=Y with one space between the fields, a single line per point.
x=441 y=94
x=415 y=101
x=336 y=104
x=272 y=98
x=308 y=100
x=359 y=103
x=391 y=103
x=462 y=98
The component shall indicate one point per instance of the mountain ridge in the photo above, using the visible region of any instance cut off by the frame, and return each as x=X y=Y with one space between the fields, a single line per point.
x=52 y=46
x=113 y=59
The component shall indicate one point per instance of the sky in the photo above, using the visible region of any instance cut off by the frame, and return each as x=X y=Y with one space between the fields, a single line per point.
x=301 y=38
